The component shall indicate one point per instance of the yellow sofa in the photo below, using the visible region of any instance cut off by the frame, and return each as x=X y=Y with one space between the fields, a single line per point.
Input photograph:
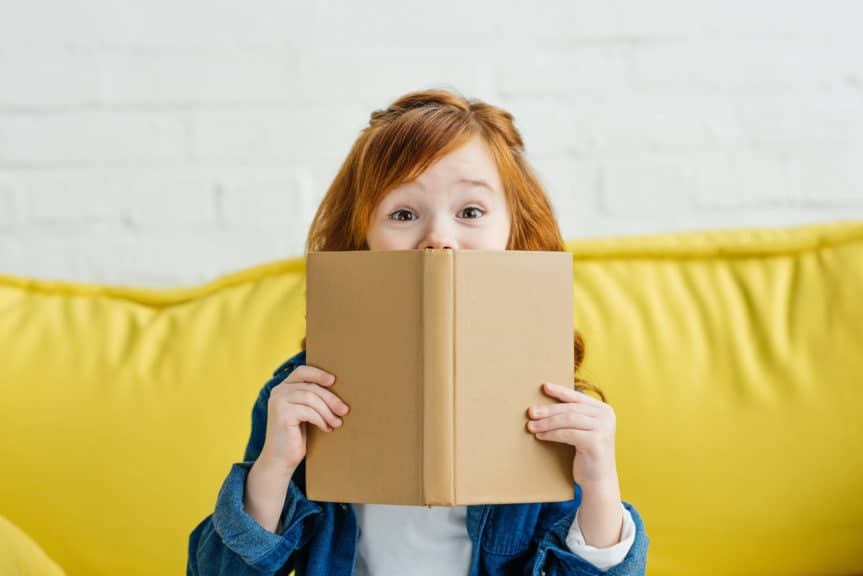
x=734 y=361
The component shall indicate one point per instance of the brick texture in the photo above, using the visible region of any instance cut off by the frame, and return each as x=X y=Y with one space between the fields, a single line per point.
x=164 y=143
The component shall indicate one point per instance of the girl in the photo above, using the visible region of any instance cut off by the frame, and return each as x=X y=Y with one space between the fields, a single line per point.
x=433 y=170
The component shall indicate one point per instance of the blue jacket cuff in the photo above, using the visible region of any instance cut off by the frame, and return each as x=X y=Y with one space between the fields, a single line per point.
x=555 y=552
x=256 y=545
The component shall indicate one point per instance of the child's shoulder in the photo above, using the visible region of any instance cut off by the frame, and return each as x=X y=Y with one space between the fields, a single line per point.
x=280 y=373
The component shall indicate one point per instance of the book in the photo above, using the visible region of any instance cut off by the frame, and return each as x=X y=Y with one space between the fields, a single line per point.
x=439 y=354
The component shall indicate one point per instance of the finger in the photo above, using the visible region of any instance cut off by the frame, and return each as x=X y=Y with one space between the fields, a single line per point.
x=564 y=436
x=315 y=402
x=568 y=394
x=572 y=420
x=310 y=415
x=336 y=404
x=305 y=373
x=546 y=410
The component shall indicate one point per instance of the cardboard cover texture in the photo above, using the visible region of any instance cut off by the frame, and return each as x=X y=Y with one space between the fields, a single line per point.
x=439 y=354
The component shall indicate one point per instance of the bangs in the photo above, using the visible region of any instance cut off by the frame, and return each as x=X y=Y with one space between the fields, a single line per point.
x=400 y=152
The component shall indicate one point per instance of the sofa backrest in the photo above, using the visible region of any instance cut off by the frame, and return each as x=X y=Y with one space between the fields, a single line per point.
x=733 y=360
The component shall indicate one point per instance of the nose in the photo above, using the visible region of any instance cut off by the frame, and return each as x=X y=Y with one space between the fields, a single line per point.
x=438 y=236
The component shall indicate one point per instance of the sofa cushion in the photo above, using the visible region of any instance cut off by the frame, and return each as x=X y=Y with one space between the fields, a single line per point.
x=734 y=362
x=126 y=408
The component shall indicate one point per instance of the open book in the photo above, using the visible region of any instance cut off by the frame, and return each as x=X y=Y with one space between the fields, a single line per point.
x=439 y=354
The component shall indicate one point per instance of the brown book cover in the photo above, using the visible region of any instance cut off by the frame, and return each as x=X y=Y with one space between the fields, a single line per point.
x=439 y=354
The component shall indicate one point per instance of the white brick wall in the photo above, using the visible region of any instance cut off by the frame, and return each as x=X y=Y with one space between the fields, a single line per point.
x=164 y=143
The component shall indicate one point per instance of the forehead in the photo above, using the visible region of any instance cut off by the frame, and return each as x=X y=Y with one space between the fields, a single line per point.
x=472 y=160
x=470 y=166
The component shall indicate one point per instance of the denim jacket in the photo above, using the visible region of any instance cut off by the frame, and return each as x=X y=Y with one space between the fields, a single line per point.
x=320 y=538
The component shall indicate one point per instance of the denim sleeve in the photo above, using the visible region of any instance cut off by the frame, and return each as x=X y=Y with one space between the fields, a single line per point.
x=555 y=557
x=229 y=541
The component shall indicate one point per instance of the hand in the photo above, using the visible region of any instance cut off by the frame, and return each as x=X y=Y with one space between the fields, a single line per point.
x=585 y=423
x=588 y=424
x=301 y=397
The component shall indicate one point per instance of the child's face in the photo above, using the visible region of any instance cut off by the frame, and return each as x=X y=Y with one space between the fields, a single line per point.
x=447 y=206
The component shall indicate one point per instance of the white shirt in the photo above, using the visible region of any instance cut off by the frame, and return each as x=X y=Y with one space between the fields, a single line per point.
x=435 y=541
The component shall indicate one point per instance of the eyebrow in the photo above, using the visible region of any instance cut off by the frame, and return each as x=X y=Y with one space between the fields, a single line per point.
x=480 y=183
x=474 y=182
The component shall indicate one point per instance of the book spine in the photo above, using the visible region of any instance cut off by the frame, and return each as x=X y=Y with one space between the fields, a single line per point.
x=438 y=395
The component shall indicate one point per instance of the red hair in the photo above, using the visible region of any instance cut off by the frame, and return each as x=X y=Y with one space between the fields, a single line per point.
x=400 y=142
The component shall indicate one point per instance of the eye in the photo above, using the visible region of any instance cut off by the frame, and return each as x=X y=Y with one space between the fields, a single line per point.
x=473 y=209
x=402 y=211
